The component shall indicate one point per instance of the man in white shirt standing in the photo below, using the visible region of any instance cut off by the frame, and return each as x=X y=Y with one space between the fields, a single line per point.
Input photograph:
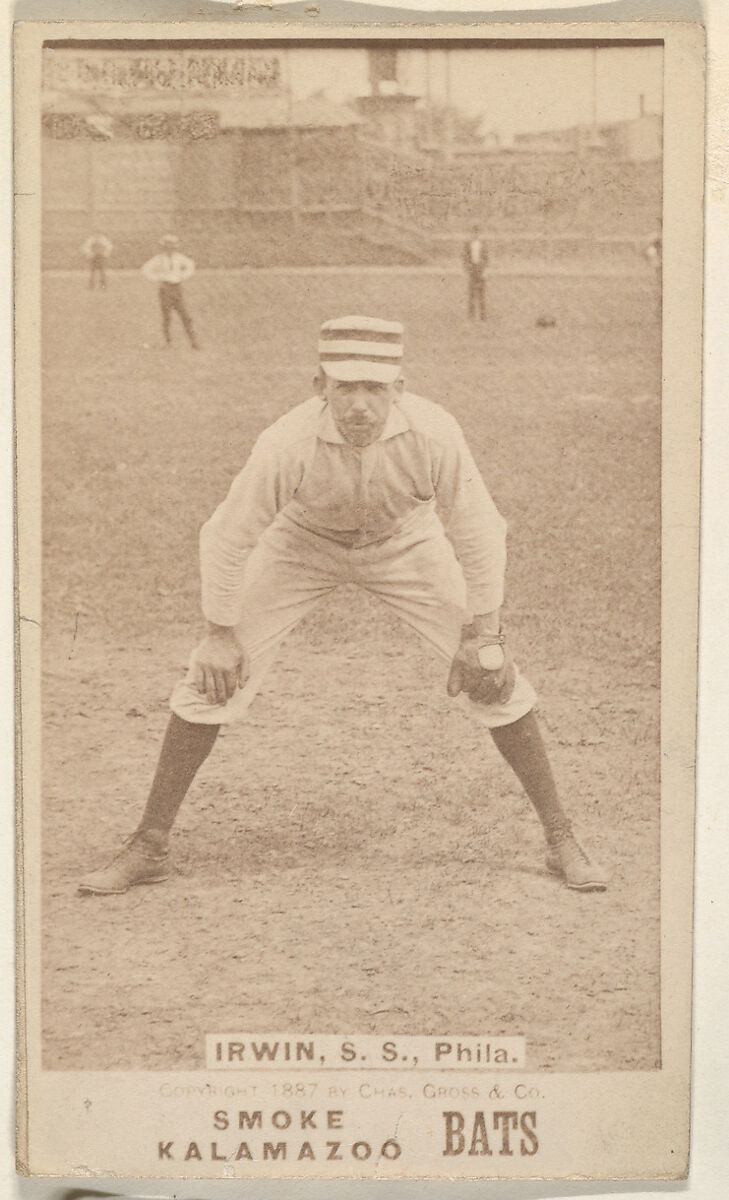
x=475 y=258
x=364 y=483
x=97 y=249
x=170 y=269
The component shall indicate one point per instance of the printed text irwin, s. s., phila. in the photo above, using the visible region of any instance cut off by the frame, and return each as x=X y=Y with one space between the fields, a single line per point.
x=272 y=1051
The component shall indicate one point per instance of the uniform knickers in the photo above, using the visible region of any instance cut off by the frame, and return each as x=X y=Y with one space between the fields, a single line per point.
x=291 y=569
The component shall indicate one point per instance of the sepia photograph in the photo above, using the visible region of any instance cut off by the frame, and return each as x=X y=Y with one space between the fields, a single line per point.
x=350 y=423
x=472 y=283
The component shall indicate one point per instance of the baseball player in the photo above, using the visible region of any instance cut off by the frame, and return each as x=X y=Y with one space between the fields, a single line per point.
x=654 y=251
x=364 y=483
x=96 y=249
x=170 y=269
x=475 y=258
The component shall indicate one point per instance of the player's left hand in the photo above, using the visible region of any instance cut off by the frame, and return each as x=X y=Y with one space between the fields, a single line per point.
x=482 y=667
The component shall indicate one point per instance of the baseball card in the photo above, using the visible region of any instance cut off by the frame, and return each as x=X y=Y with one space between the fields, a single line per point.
x=358 y=437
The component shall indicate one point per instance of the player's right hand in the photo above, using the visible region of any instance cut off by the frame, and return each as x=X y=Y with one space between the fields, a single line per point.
x=220 y=665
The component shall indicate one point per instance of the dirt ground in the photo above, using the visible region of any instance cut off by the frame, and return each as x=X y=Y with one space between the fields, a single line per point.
x=357 y=858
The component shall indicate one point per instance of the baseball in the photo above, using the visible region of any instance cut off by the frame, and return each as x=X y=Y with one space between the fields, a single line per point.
x=491 y=658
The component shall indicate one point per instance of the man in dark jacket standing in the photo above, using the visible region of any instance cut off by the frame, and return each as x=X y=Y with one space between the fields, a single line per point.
x=475 y=258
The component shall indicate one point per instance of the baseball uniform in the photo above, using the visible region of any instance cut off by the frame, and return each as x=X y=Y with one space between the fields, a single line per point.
x=97 y=249
x=169 y=270
x=309 y=512
x=475 y=258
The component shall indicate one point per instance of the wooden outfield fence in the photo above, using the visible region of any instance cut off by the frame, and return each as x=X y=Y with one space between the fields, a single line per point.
x=303 y=196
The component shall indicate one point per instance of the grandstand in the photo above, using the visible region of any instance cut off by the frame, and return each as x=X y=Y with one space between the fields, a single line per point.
x=214 y=145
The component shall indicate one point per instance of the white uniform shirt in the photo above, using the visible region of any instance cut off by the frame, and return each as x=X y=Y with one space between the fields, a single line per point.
x=169 y=268
x=475 y=251
x=301 y=471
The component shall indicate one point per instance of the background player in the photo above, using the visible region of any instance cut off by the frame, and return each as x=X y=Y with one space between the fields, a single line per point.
x=356 y=485
x=654 y=251
x=97 y=248
x=170 y=269
x=475 y=258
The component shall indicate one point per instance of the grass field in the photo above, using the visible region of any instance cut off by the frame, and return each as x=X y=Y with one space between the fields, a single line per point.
x=400 y=889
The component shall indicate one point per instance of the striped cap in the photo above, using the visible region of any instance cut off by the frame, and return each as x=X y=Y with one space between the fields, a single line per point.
x=353 y=348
